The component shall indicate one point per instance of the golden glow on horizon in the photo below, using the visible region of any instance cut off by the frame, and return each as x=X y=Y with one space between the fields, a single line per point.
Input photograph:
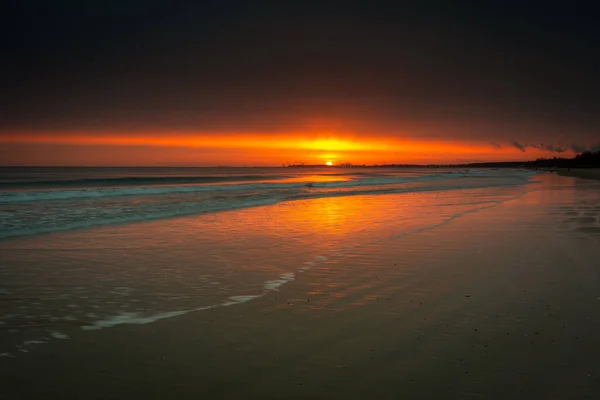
x=233 y=141
x=329 y=163
x=169 y=148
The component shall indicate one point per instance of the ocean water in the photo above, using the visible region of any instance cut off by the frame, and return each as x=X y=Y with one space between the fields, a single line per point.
x=44 y=200
x=83 y=249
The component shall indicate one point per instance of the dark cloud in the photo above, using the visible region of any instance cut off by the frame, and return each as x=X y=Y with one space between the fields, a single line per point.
x=579 y=148
x=554 y=148
x=520 y=146
x=542 y=146
x=582 y=148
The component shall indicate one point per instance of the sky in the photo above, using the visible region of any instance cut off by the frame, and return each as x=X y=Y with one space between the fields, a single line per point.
x=164 y=83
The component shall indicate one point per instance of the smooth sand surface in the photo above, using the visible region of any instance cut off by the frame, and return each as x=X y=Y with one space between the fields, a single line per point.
x=502 y=303
x=585 y=173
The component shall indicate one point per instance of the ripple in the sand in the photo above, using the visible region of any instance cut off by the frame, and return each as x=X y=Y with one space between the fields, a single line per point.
x=590 y=229
x=584 y=220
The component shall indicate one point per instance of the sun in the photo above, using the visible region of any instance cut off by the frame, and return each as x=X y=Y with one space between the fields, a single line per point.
x=329 y=163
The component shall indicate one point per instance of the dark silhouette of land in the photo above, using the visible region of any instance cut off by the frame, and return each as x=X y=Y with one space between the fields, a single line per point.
x=583 y=160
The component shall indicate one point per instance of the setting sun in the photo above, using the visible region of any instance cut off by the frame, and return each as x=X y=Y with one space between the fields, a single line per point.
x=329 y=163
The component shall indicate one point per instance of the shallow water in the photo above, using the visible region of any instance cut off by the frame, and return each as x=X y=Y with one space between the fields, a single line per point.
x=32 y=204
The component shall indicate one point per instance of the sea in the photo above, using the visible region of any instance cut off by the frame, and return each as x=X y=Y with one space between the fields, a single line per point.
x=39 y=200
x=83 y=249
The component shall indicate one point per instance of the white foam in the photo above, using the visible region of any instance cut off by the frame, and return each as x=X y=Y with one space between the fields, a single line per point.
x=276 y=284
x=137 y=319
x=321 y=258
x=243 y=299
x=59 y=335
x=130 y=318
x=32 y=342
x=5 y=355
x=307 y=265
x=233 y=300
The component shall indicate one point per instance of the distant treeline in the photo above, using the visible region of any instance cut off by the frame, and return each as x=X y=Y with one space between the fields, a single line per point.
x=584 y=160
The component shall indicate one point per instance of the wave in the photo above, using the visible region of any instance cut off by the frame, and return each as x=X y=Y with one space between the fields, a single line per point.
x=48 y=195
x=136 y=181
x=32 y=218
x=392 y=180
x=101 y=217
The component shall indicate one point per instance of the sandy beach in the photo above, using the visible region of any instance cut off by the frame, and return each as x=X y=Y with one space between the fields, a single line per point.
x=497 y=301
x=585 y=173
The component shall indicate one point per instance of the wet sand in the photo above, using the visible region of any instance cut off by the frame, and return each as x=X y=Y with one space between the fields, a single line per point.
x=502 y=303
x=585 y=173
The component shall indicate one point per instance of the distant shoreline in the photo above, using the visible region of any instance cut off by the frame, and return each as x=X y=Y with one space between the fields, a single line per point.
x=501 y=164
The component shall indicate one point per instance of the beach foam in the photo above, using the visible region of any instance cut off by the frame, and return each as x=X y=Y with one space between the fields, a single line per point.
x=233 y=300
x=132 y=318
x=32 y=342
x=59 y=335
x=138 y=319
